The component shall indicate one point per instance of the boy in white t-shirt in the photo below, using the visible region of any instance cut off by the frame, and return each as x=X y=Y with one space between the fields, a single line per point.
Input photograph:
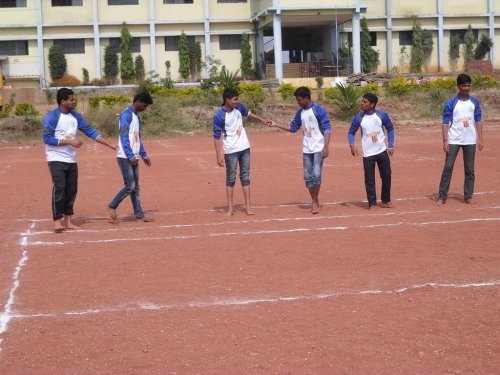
x=315 y=124
x=462 y=129
x=232 y=146
x=373 y=122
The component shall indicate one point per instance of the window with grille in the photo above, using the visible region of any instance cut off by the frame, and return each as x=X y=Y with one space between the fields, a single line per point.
x=461 y=34
x=172 y=42
x=123 y=2
x=135 y=44
x=231 y=1
x=66 y=3
x=13 y=4
x=405 y=38
x=14 y=48
x=71 y=46
x=229 y=42
x=177 y=1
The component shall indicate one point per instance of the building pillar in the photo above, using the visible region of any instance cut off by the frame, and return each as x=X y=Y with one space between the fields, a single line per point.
x=152 y=35
x=39 y=41
x=441 y=47
x=206 y=32
x=259 y=50
x=97 y=40
x=356 y=39
x=491 y=16
x=278 y=60
x=388 y=12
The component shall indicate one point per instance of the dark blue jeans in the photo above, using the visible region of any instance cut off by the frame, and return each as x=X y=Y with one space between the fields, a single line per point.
x=131 y=179
x=232 y=160
x=469 y=152
x=384 y=168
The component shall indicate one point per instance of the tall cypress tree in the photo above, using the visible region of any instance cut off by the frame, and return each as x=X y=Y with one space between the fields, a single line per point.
x=57 y=62
x=110 y=63
x=369 y=57
x=140 y=72
x=246 y=57
x=417 y=52
x=126 y=62
x=184 y=62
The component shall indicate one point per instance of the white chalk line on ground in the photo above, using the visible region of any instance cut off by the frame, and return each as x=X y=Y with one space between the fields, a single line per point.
x=307 y=204
x=262 y=232
x=238 y=302
x=6 y=315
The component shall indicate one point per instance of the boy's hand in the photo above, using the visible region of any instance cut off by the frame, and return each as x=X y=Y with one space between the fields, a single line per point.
x=220 y=162
x=354 y=150
x=134 y=162
x=147 y=161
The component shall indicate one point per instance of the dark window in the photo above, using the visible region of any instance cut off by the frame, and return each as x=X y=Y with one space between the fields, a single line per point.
x=461 y=34
x=231 y=1
x=123 y=2
x=12 y=3
x=373 y=35
x=14 y=48
x=229 y=42
x=71 y=46
x=177 y=1
x=172 y=42
x=405 y=38
x=135 y=44
x=66 y=3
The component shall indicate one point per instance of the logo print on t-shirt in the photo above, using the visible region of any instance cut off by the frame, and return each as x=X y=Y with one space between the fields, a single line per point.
x=465 y=121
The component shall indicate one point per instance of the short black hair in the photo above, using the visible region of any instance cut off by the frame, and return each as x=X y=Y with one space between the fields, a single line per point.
x=63 y=94
x=228 y=94
x=303 y=92
x=463 y=78
x=143 y=97
x=371 y=97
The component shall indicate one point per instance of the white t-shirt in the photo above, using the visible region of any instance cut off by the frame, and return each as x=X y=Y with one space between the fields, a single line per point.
x=462 y=129
x=313 y=140
x=66 y=128
x=373 y=135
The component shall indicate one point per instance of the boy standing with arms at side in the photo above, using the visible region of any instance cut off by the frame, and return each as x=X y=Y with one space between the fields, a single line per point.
x=462 y=129
x=59 y=135
x=314 y=121
x=375 y=151
x=228 y=125
x=130 y=151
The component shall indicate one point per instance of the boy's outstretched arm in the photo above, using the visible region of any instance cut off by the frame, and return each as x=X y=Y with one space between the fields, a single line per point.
x=282 y=127
x=218 y=153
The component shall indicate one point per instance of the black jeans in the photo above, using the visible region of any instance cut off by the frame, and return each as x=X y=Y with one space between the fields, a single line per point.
x=384 y=168
x=469 y=153
x=64 y=187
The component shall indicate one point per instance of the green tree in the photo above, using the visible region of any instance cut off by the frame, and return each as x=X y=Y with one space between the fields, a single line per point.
x=57 y=62
x=194 y=59
x=86 y=77
x=483 y=47
x=126 y=61
x=246 y=57
x=417 y=52
x=469 y=42
x=369 y=57
x=110 y=64
x=184 y=62
x=427 y=42
x=140 y=72
x=454 y=52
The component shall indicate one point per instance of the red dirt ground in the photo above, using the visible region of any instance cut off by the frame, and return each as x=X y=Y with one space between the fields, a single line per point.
x=409 y=290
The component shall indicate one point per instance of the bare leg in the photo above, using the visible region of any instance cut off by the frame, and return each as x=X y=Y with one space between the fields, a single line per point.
x=58 y=226
x=229 y=193
x=314 y=191
x=68 y=223
x=246 y=193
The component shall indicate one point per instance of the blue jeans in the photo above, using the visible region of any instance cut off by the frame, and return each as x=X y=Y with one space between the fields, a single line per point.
x=232 y=160
x=313 y=165
x=469 y=153
x=131 y=179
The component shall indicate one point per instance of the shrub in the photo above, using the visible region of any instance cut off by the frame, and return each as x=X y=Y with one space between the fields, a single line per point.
x=347 y=96
x=319 y=82
x=25 y=109
x=252 y=95
x=98 y=82
x=67 y=81
x=286 y=90
x=107 y=100
x=370 y=87
x=483 y=47
x=399 y=87
x=57 y=62
x=483 y=81
x=85 y=76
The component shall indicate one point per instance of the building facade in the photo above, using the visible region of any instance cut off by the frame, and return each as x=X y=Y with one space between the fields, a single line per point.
x=281 y=32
